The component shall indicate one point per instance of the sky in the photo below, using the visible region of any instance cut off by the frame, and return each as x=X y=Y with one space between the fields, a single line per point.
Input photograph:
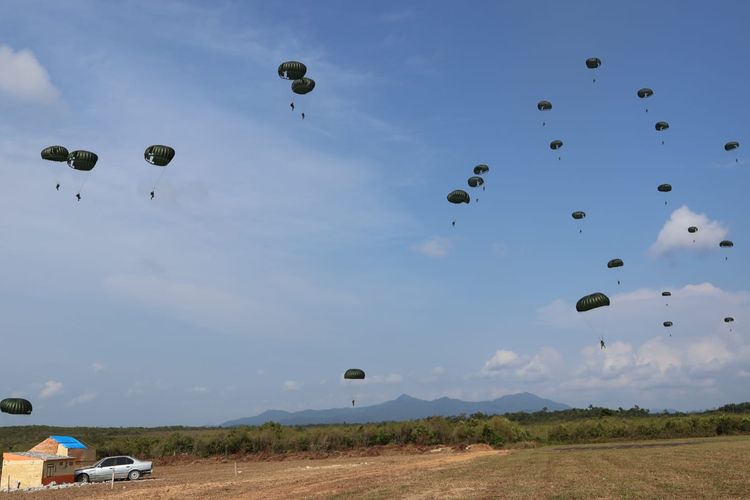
x=279 y=252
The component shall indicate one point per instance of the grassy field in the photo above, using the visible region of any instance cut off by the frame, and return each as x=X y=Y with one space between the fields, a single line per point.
x=679 y=468
x=695 y=468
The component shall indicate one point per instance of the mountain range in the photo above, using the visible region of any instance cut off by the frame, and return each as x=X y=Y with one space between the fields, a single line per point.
x=404 y=407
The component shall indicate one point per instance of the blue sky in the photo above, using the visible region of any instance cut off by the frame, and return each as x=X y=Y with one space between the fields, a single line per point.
x=280 y=252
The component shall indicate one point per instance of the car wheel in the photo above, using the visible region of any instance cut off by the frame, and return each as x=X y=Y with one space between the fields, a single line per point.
x=83 y=478
x=134 y=474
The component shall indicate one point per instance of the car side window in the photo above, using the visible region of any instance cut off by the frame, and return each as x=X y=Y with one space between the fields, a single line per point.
x=127 y=461
x=108 y=462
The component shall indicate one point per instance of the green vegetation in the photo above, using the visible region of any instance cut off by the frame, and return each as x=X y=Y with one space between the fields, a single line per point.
x=572 y=426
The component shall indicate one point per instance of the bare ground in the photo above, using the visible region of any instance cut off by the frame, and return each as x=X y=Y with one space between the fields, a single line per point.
x=708 y=468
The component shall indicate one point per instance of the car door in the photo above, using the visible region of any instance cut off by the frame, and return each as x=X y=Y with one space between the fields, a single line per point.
x=123 y=467
x=104 y=471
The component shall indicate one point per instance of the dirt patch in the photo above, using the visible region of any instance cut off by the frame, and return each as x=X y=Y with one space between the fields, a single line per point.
x=299 y=475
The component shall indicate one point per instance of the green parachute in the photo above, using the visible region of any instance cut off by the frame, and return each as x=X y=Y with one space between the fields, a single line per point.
x=592 y=301
x=292 y=70
x=593 y=63
x=556 y=144
x=664 y=188
x=728 y=319
x=159 y=155
x=692 y=229
x=354 y=374
x=82 y=160
x=303 y=86
x=615 y=263
x=644 y=93
x=459 y=196
x=666 y=294
x=660 y=127
x=731 y=146
x=15 y=406
x=726 y=244
x=667 y=324
x=578 y=215
x=481 y=169
x=55 y=153
x=544 y=106
x=475 y=181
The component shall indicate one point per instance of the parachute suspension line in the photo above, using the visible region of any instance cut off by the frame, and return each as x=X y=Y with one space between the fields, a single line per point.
x=83 y=182
x=158 y=179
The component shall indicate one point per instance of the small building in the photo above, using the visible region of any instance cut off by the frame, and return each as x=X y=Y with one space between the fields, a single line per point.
x=32 y=469
x=67 y=446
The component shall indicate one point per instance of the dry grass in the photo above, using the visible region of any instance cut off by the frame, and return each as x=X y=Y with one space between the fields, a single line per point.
x=694 y=468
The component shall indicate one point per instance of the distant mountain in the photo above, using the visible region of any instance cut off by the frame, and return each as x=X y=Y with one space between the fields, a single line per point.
x=403 y=408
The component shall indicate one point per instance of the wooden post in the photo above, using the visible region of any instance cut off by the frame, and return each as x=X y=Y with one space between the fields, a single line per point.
x=112 y=485
x=235 y=467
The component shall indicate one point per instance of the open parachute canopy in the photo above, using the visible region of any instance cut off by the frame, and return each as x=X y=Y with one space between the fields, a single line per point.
x=354 y=373
x=666 y=294
x=158 y=155
x=731 y=145
x=593 y=62
x=592 y=301
x=645 y=92
x=726 y=244
x=615 y=263
x=55 y=153
x=667 y=324
x=459 y=196
x=475 y=181
x=692 y=229
x=664 y=188
x=556 y=144
x=292 y=70
x=544 y=105
x=481 y=169
x=15 y=406
x=302 y=86
x=728 y=319
x=82 y=160
x=661 y=126
x=578 y=214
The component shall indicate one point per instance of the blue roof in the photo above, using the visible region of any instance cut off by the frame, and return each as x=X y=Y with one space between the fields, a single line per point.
x=70 y=443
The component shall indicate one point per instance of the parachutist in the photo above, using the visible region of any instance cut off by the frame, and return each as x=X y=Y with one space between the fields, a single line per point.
x=303 y=116
x=78 y=196
x=352 y=402
x=291 y=105
x=152 y=195
x=618 y=282
x=601 y=344
x=58 y=186
x=453 y=223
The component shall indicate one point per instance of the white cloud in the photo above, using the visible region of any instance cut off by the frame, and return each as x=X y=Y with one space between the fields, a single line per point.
x=83 y=398
x=291 y=385
x=434 y=247
x=674 y=234
x=97 y=367
x=23 y=77
x=501 y=360
x=51 y=387
x=523 y=368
